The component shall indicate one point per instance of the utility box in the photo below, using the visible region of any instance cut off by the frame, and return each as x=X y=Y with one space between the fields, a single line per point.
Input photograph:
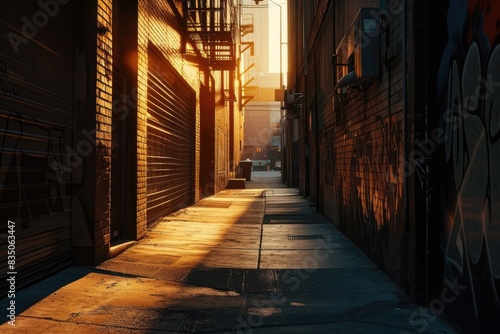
x=366 y=40
x=359 y=50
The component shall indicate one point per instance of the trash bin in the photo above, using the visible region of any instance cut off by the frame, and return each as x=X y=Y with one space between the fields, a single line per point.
x=246 y=169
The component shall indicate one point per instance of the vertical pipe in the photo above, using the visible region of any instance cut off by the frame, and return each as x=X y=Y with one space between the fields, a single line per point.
x=305 y=101
x=404 y=256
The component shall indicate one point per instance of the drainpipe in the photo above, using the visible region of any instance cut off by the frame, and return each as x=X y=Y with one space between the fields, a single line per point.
x=306 y=71
x=405 y=135
x=304 y=37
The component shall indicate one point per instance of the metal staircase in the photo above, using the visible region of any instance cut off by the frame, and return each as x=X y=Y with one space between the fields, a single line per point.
x=213 y=26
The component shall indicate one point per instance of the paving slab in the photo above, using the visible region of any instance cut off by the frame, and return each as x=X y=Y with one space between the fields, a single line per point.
x=254 y=260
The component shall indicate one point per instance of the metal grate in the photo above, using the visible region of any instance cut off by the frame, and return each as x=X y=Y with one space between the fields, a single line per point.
x=305 y=237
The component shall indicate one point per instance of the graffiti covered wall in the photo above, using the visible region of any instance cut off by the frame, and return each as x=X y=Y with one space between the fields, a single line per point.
x=362 y=146
x=468 y=89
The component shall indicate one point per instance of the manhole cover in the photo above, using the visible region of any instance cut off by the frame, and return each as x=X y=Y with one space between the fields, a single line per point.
x=305 y=237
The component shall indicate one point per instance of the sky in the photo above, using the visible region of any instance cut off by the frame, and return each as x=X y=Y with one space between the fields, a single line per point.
x=274 y=35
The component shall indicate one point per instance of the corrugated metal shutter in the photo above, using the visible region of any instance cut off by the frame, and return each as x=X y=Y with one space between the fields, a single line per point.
x=170 y=139
x=36 y=129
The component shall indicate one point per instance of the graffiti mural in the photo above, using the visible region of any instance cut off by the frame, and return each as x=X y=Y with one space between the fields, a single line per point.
x=377 y=193
x=468 y=84
x=328 y=152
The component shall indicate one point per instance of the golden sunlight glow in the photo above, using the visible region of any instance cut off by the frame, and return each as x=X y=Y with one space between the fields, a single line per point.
x=274 y=36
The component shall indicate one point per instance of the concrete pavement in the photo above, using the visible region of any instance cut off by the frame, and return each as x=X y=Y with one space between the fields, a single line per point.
x=254 y=260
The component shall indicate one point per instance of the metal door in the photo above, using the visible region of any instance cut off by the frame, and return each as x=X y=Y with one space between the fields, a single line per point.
x=170 y=139
x=36 y=130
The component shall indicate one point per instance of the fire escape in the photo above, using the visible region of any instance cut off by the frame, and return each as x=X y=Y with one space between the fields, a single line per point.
x=216 y=27
x=213 y=26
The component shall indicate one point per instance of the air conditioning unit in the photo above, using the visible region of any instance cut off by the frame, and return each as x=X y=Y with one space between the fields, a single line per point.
x=359 y=50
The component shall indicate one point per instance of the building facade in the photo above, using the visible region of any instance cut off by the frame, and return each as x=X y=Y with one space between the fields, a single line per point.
x=262 y=142
x=392 y=131
x=114 y=114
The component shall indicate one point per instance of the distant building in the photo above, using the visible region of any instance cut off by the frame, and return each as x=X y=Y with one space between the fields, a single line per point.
x=262 y=113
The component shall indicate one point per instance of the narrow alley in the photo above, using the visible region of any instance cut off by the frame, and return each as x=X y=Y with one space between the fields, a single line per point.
x=129 y=127
x=253 y=260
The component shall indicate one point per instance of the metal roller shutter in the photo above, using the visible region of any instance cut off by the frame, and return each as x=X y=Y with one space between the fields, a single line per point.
x=170 y=139
x=36 y=129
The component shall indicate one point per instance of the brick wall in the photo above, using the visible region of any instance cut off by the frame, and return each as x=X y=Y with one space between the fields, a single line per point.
x=221 y=137
x=158 y=25
x=362 y=154
x=104 y=88
x=142 y=80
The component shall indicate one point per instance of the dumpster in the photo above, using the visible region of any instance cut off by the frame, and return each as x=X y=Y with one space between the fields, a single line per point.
x=246 y=169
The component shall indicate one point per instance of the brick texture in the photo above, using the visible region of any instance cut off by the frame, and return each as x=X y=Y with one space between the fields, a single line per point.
x=362 y=154
x=158 y=25
x=104 y=60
